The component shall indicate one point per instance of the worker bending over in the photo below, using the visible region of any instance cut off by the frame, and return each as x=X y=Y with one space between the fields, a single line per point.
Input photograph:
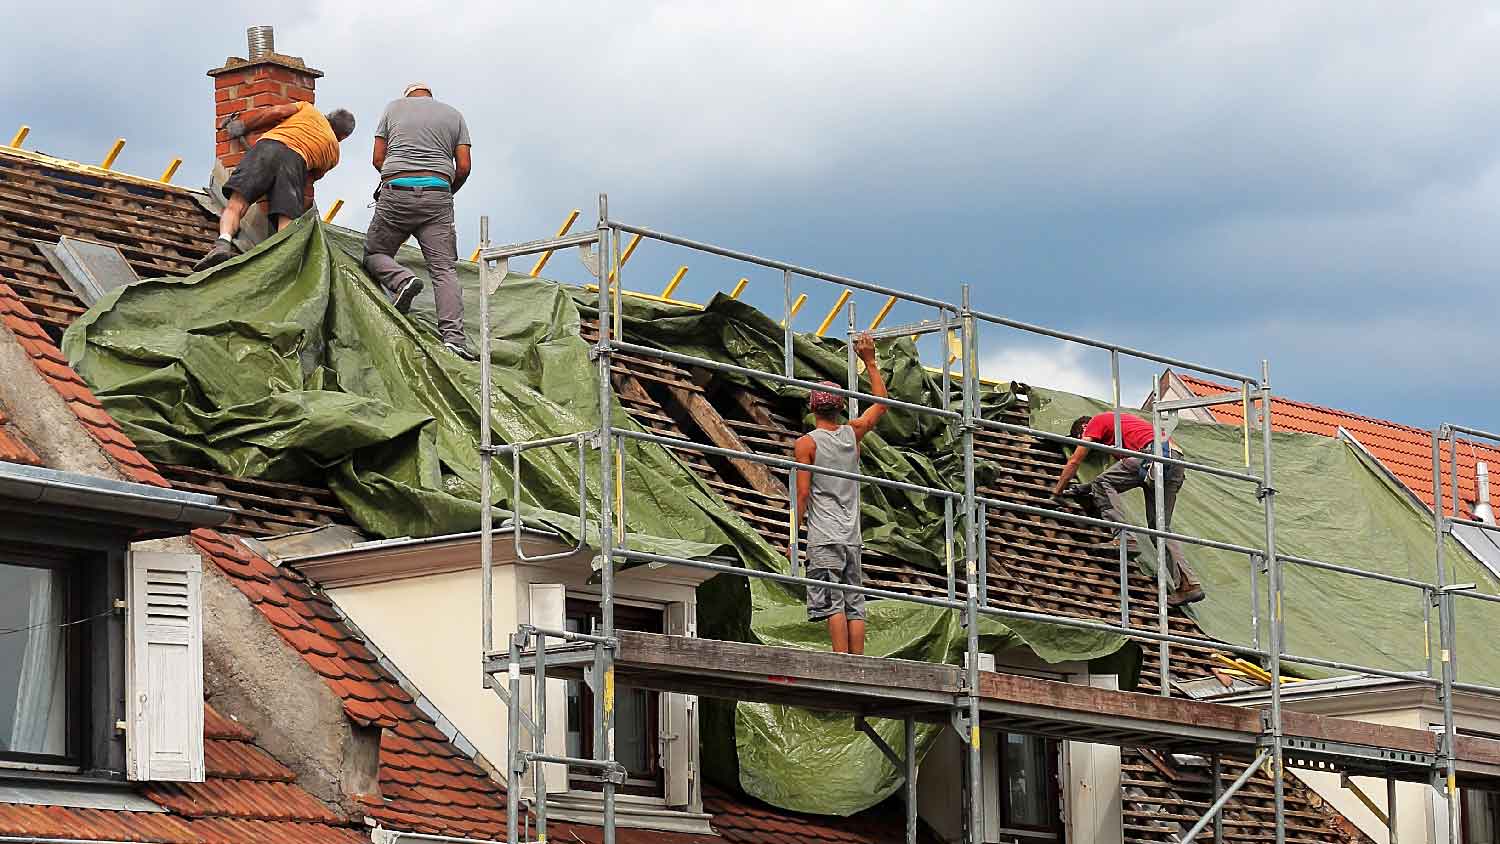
x=301 y=146
x=422 y=153
x=1126 y=474
x=831 y=506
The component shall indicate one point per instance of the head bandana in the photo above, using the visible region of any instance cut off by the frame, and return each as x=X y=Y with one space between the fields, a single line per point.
x=822 y=402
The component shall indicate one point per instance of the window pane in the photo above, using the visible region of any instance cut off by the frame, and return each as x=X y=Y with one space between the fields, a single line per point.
x=632 y=732
x=1027 y=789
x=33 y=660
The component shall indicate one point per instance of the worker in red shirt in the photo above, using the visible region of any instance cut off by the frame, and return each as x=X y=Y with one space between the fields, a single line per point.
x=1126 y=474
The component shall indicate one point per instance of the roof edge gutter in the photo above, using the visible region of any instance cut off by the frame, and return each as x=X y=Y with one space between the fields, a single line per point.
x=34 y=485
x=381 y=835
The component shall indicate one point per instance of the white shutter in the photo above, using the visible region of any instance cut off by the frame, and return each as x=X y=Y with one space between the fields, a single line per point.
x=164 y=677
x=548 y=609
x=679 y=724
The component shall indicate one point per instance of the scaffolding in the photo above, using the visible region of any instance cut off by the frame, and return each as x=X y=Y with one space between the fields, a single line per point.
x=959 y=697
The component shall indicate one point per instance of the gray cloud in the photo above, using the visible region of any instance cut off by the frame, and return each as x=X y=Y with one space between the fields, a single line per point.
x=1309 y=182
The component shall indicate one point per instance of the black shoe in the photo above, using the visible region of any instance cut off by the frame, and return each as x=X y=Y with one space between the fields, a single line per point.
x=461 y=348
x=223 y=250
x=406 y=294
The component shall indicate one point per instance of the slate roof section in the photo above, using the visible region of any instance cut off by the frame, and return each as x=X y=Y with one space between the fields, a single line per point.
x=1403 y=449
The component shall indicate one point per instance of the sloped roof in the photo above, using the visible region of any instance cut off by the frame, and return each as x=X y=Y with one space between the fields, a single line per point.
x=249 y=796
x=1403 y=449
x=427 y=783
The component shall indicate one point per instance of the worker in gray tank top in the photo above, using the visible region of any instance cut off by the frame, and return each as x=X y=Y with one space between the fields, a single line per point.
x=831 y=507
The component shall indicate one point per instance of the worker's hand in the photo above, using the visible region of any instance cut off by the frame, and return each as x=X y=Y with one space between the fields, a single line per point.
x=864 y=347
x=235 y=128
x=1075 y=491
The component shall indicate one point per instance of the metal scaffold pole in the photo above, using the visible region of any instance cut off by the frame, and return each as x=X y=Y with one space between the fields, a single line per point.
x=604 y=672
x=1114 y=380
x=788 y=369
x=1163 y=546
x=1273 y=577
x=1444 y=602
x=974 y=782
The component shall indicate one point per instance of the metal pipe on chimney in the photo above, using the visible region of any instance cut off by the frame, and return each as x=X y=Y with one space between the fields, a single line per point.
x=1483 y=512
x=262 y=41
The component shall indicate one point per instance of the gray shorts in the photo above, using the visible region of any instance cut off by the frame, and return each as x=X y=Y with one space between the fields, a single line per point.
x=834 y=564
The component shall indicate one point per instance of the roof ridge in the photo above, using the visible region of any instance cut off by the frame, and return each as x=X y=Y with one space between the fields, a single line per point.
x=93 y=170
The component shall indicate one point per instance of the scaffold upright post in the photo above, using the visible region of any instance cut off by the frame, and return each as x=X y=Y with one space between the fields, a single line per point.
x=974 y=782
x=514 y=768
x=1158 y=504
x=787 y=369
x=1216 y=770
x=604 y=691
x=1390 y=810
x=1114 y=382
x=539 y=736
x=486 y=517
x=909 y=758
x=1273 y=580
x=1440 y=528
x=946 y=399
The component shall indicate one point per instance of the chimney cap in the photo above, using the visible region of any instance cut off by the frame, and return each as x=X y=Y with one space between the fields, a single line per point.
x=235 y=63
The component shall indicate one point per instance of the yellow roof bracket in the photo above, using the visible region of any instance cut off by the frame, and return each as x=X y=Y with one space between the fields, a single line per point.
x=114 y=152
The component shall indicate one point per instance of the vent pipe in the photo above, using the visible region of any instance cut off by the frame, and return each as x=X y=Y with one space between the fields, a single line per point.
x=1482 y=510
x=262 y=41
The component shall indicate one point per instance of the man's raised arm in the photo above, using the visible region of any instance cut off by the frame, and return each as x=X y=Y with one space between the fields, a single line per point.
x=864 y=347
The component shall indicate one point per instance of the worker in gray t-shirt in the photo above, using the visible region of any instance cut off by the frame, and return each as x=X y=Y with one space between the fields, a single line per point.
x=422 y=153
x=831 y=506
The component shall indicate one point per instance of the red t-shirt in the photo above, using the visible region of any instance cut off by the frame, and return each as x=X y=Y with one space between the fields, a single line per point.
x=1134 y=430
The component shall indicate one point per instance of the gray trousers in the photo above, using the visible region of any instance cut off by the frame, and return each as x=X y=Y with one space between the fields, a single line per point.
x=1124 y=476
x=428 y=214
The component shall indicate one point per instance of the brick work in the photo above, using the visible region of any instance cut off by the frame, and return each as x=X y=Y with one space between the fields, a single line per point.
x=241 y=85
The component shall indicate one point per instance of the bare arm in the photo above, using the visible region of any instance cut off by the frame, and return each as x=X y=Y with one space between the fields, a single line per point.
x=461 y=166
x=806 y=452
x=1071 y=469
x=265 y=118
x=378 y=159
x=864 y=347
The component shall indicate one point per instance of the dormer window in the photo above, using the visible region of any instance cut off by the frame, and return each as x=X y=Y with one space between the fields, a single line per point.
x=100 y=647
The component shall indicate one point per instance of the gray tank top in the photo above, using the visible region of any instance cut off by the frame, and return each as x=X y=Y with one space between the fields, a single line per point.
x=833 y=503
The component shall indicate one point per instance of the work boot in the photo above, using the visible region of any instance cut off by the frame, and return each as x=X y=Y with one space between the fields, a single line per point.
x=223 y=250
x=1188 y=593
x=406 y=294
x=461 y=348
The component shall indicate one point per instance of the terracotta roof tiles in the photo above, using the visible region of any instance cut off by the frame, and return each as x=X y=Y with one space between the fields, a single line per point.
x=1403 y=449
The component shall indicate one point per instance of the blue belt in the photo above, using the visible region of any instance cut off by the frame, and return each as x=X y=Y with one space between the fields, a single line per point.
x=419 y=182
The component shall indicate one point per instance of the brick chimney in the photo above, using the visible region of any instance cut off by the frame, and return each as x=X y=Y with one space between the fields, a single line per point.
x=266 y=78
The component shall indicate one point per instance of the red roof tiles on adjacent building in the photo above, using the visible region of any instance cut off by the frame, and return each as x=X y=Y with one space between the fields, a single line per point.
x=13 y=449
x=1403 y=449
x=248 y=796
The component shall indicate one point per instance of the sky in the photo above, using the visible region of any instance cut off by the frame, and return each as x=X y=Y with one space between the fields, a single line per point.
x=1313 y=184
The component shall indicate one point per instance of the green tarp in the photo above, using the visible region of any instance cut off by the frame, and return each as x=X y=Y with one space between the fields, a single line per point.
x=288 y=364
x=1332 y=506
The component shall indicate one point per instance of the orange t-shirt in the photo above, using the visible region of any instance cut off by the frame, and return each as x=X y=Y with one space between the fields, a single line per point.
x=308 y=132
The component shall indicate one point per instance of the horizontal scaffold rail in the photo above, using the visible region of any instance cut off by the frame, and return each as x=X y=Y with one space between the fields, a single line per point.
x=774 y=264
x=689 y=360
x=895 y=688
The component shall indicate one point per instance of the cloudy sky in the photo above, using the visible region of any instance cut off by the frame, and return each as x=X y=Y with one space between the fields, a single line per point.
x=1312 y=183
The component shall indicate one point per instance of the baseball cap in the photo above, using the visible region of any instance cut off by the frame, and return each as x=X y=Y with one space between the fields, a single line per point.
x=416 y=86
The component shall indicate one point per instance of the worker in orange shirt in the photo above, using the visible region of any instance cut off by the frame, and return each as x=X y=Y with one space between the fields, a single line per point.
x=302 y=145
